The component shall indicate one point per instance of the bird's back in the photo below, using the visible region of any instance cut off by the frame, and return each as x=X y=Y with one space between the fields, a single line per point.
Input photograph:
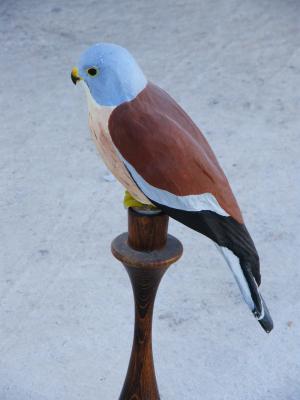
x=156 y=136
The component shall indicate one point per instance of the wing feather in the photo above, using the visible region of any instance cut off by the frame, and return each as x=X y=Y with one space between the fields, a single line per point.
x=161 y=142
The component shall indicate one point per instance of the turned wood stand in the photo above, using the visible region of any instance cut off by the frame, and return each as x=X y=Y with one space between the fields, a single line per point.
x=146 y=251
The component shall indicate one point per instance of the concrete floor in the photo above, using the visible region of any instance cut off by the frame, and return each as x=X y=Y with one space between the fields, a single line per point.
x=66 y=309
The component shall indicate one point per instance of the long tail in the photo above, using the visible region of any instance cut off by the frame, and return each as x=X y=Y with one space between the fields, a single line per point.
x=243 y=275
x=237 y=247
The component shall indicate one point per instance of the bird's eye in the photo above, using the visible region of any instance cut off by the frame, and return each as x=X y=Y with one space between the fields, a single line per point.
x=92 y=71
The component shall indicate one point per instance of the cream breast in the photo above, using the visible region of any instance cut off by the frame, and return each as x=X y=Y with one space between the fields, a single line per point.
x=98 y=124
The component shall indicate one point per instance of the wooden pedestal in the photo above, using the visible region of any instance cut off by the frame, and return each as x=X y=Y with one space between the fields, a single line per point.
x=146 y=251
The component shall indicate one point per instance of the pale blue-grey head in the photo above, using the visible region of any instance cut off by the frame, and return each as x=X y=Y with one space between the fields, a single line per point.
x=111 y=74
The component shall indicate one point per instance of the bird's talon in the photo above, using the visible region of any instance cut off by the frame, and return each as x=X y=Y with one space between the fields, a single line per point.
x=130 y=201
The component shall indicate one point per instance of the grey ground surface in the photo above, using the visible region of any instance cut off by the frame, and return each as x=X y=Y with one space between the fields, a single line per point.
x=66 y=309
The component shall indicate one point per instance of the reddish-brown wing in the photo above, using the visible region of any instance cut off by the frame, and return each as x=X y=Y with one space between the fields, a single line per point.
x=155 y=135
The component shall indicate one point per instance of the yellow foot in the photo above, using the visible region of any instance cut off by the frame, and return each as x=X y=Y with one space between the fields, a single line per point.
x=130 y=201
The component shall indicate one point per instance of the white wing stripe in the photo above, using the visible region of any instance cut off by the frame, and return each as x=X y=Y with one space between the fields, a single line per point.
x=195 y=202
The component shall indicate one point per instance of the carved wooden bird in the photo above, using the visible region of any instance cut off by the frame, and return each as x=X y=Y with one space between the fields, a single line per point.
x=162 y=159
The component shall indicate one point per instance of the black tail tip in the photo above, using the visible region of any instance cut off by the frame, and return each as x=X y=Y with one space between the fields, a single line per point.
x=266 y=322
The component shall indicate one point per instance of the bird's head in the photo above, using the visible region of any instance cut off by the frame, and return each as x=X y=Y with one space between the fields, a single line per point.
x=110 y=73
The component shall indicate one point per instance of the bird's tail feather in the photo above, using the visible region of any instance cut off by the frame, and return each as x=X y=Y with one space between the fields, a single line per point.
x=236 y=245
x=249 y=288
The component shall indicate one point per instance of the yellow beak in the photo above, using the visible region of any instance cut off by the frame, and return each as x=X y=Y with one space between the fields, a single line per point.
x=75 y=75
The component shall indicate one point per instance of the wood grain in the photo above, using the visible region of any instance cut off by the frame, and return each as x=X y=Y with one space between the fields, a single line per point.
x=154 y=251
x=147 y=231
